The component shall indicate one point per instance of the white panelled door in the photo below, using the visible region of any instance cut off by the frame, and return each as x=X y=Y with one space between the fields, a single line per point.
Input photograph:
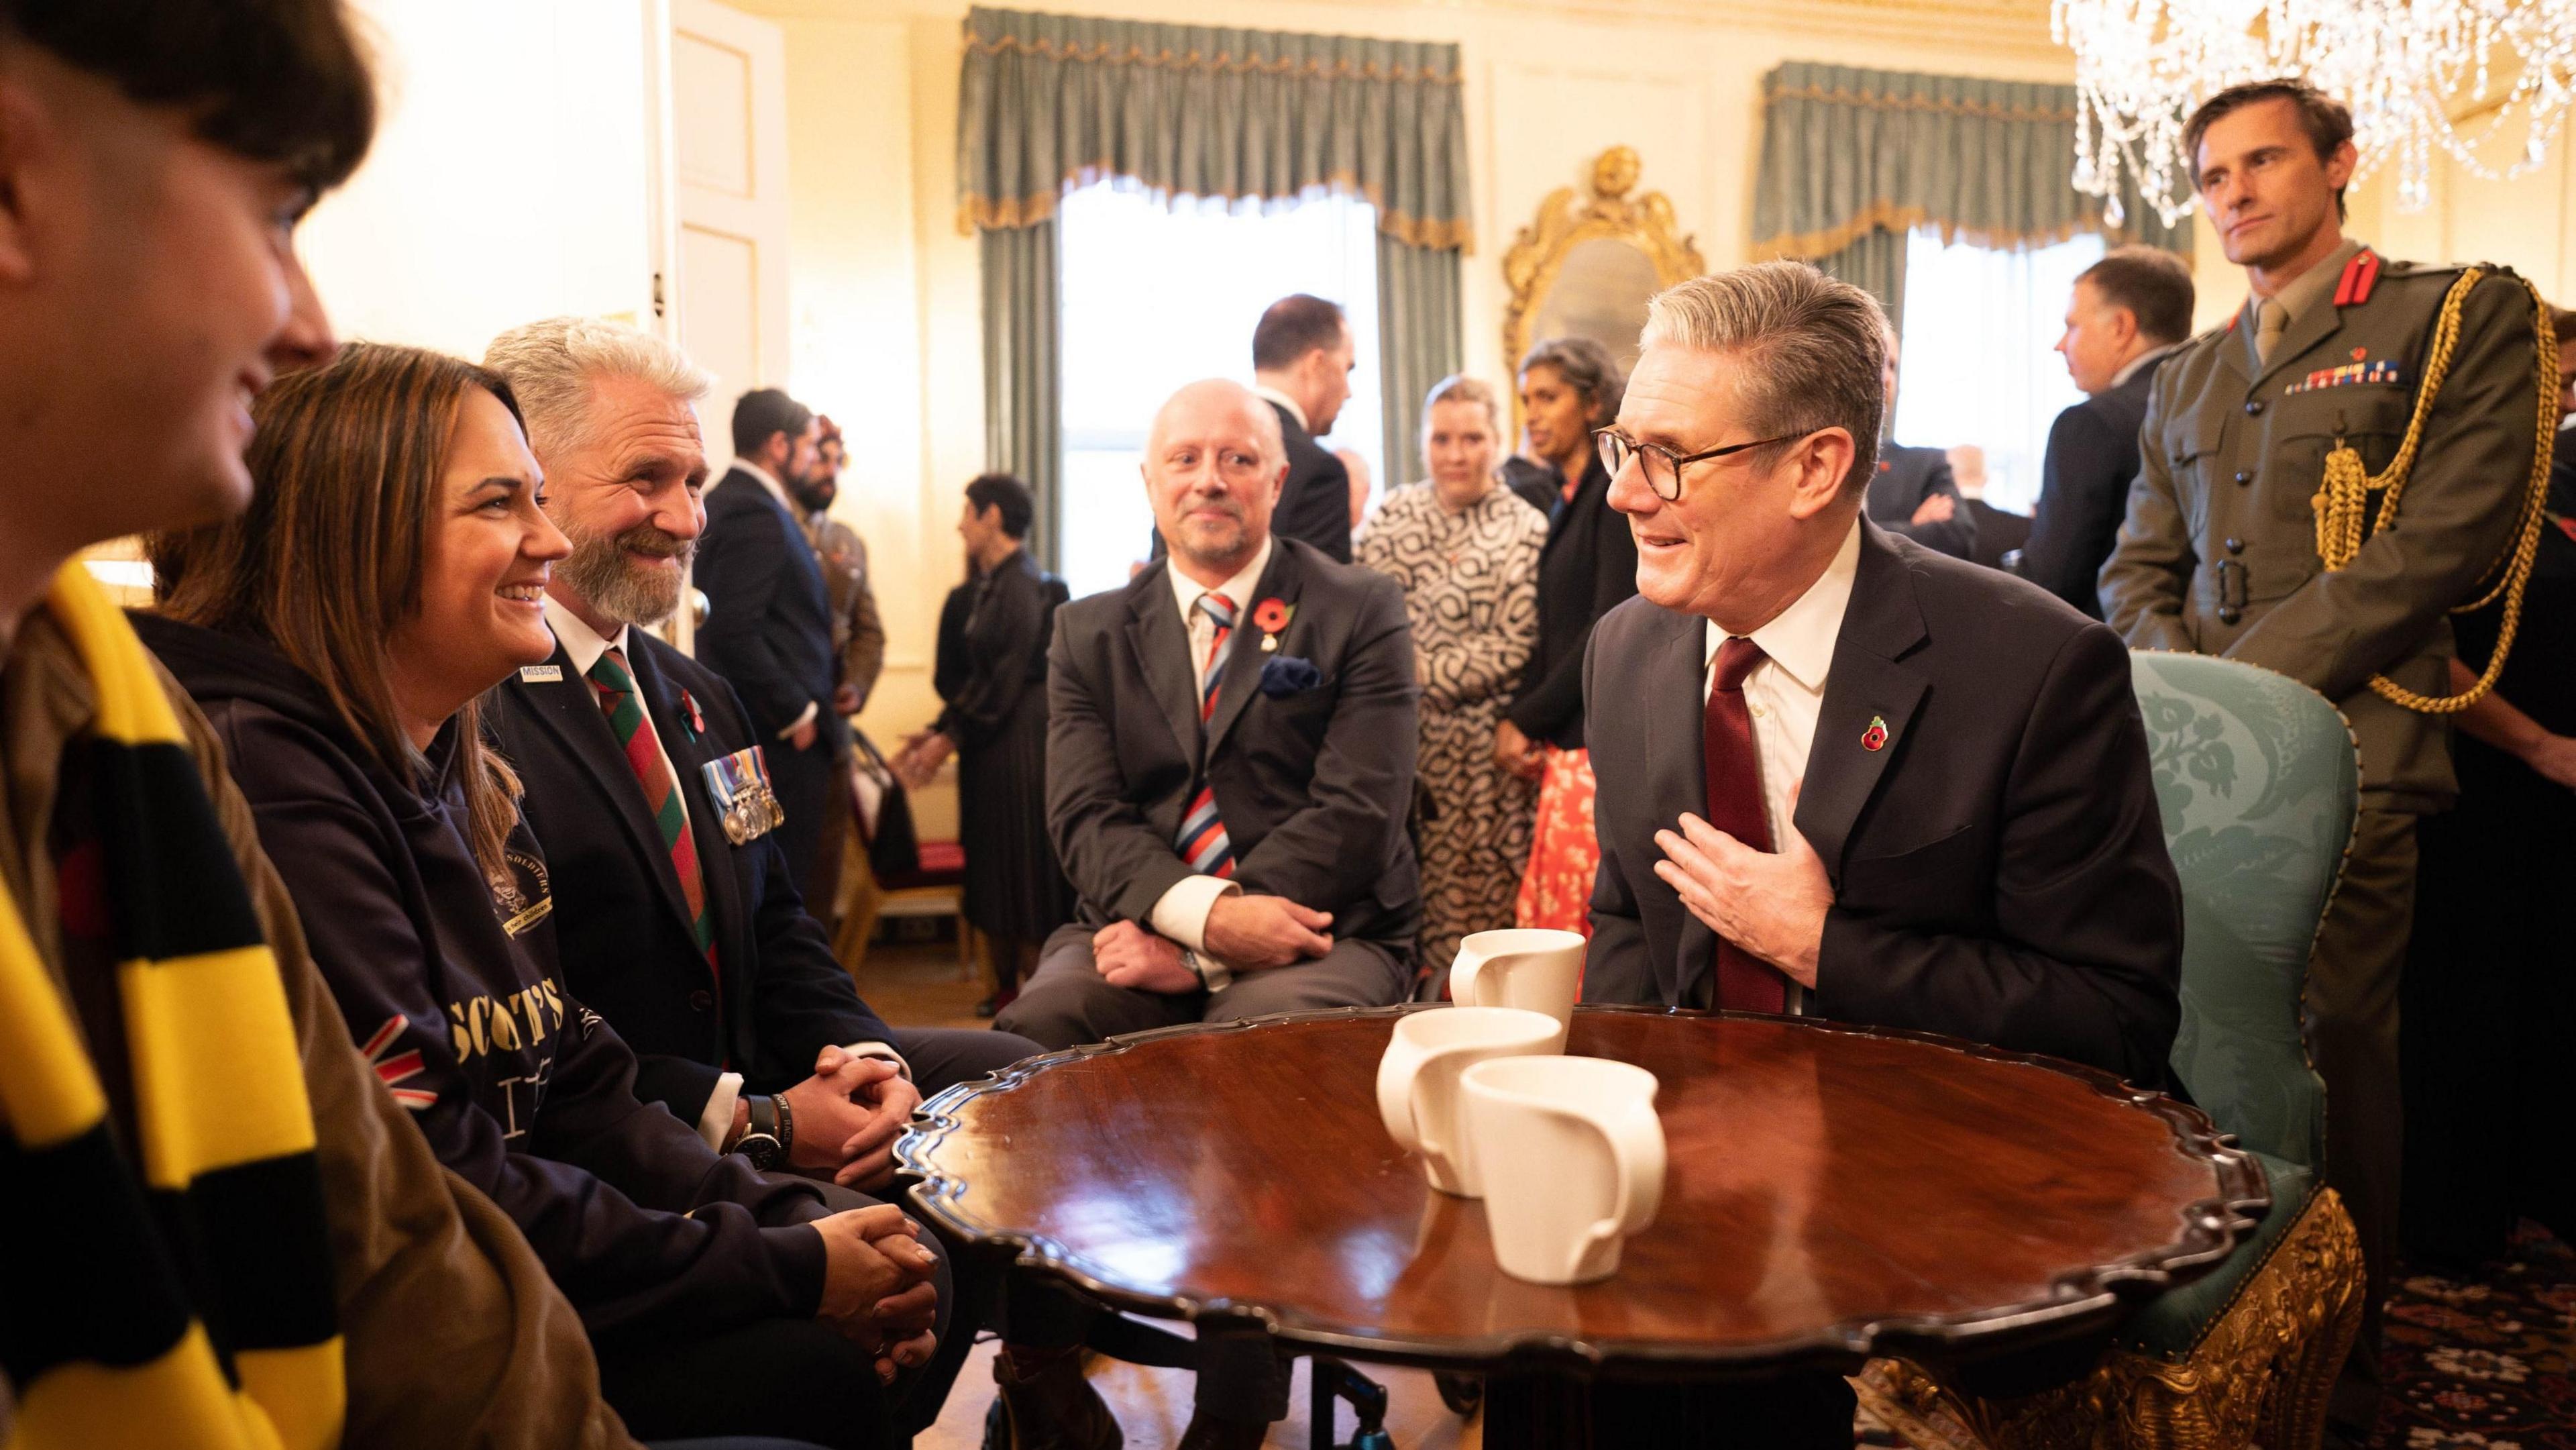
x=727 y=254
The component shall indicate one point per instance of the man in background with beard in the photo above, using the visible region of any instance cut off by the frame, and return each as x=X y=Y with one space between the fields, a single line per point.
x=858 y=657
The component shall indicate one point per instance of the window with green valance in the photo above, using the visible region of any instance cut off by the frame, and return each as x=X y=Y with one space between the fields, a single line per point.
x=1854 y=159
x=1047 y=103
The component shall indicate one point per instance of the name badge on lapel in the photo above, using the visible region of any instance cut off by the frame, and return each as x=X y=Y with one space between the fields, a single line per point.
x=745 y=803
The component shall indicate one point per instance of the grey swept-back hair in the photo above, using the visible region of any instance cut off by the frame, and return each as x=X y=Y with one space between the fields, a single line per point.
x=1809 y=349
x=552 y=364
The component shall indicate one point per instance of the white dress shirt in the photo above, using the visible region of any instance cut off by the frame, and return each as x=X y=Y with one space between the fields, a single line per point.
x=778 y=491
x=585 y=646
x=1786 y=690
x=1296 y=410
x=1181 y=915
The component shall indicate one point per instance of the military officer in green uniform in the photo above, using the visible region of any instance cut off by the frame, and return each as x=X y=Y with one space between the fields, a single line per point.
x=2219 y=554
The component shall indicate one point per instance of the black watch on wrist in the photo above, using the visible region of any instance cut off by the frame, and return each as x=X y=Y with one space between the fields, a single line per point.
x=761 y=1142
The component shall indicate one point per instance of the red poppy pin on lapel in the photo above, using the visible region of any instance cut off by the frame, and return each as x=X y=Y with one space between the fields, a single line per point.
x=697 y=720
x=1875 y=737
x=1271 y=617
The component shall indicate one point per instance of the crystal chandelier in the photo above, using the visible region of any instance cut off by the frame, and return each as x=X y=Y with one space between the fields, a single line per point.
x=2401 y=65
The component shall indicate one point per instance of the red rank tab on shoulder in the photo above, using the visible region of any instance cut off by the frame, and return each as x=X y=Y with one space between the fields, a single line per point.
x=2359 y=276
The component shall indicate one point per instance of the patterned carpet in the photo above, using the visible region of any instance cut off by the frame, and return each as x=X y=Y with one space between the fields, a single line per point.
x=2487 y=1359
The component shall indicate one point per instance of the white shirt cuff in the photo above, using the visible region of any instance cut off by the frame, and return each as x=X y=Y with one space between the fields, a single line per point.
x=811 y=710
x=1182 y=914
x=884 y=1050
x=717 y=1120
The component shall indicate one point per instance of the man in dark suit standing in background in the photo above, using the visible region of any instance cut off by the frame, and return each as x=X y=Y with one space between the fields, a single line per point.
x=2128 y=313
x=1302 y=357
x=1850 y=777
x=769 y=624
x=1913 y=492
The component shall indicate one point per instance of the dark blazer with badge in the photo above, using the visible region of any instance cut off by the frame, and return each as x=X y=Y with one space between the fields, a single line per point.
x=2084 y=489
x=2218 y=552
x=1313 y=768
x=630 y=953
x=1905 y=478
x=1998 y=863
x=769 y=633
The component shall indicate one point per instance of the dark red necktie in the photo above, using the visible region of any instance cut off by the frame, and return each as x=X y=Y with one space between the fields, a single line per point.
x=1745 y=982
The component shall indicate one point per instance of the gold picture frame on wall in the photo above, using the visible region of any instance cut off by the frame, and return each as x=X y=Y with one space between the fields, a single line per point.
x=1588 y=263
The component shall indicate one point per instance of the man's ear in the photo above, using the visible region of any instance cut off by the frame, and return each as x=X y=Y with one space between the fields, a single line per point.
x=1823 y=461
x=2341 y=165
x=26 y=135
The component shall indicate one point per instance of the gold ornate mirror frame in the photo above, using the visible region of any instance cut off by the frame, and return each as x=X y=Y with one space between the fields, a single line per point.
x=1565 y=221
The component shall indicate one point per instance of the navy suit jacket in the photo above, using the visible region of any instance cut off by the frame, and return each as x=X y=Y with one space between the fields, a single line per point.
x=1905 y=478
x=622 y=927
x=769 y=614
x=2084 y=491
x=1998 y=863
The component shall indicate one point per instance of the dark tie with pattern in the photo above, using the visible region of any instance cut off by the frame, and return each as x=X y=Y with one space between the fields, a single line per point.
x=1745 y=982
x=615 y=686
x=1203 y=841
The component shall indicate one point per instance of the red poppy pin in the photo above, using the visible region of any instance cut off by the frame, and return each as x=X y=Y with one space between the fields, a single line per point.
x=1875 y=737
x=1271 y=617
x=697 y=719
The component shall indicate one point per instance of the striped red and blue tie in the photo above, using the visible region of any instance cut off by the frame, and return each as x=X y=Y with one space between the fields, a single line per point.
x=1202 y=841
x=615 y=685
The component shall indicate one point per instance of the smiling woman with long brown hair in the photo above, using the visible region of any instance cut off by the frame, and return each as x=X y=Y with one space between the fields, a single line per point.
x=339 y=636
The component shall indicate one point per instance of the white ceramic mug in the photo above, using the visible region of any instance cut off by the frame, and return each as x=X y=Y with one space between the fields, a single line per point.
x=1417 y=1080
x=1525 y=967
x=1573 y=1161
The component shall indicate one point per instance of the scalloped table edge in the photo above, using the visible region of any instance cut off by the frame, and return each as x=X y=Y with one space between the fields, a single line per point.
x=2210 y=1230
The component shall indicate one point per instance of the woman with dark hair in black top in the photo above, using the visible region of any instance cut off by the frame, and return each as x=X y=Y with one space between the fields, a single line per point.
x=992 y=673
x=1569 y=386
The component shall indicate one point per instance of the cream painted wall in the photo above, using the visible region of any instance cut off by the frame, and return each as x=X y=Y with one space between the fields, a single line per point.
x=508 y=180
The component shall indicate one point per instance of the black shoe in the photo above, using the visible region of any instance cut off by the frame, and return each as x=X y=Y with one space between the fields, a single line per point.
x=1207 y=1432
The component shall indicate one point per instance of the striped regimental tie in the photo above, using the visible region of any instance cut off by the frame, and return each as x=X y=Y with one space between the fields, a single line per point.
x=1202 y=840
x=615 y=685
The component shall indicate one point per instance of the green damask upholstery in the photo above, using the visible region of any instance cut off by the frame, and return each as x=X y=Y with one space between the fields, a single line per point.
x=2258 y=781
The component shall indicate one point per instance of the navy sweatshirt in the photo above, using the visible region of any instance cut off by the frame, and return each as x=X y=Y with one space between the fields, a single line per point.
x=450 y=984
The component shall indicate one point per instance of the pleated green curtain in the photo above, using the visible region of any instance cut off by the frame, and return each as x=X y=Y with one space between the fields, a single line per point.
x=1047 y=103
x=1421 y=339
x=1854 y=159
x=1023 y=433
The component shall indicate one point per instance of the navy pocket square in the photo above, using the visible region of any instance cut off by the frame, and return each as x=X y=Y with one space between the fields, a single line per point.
x=1287 y=675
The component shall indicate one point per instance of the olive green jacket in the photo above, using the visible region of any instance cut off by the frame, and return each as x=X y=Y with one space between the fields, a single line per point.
x=2218 y=552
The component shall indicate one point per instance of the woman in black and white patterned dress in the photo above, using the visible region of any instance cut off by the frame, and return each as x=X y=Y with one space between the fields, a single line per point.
x=1466 y=551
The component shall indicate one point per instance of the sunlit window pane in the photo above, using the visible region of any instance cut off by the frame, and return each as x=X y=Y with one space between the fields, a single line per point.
x=1978 y=365
x=1155 y=297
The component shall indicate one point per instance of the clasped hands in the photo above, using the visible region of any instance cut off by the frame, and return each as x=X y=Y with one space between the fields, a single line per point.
x=1246 y=932
x=877 y=1289
x=848 y=1115
x=919 y=757
x=1771 y=903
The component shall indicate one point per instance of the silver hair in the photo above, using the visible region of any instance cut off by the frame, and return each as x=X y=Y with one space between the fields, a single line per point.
x=1809 y=348
x=551 y=366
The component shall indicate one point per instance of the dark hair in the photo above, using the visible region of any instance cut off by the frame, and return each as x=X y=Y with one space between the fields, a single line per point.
x=2564 y=322
x=1587 y=367
x=329 y=559
x=280 y=81
x=1001 y=491
x=2152 y=283
x=2327 y=121
x=764 y=412
x=1294 y=326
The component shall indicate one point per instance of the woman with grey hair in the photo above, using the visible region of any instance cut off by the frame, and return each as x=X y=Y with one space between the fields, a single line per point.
x=1466 y=552
x=1569 y=386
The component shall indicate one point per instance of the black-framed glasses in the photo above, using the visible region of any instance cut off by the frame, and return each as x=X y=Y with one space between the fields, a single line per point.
x=1661 y=465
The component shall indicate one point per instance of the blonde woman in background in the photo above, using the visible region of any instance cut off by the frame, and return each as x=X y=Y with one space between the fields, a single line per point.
x=1466 y=551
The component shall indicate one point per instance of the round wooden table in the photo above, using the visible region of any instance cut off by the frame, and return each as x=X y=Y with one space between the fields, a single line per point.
x=1834 y=1193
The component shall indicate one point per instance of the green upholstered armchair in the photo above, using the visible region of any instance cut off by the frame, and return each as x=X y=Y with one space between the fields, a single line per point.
x=2259 y=781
